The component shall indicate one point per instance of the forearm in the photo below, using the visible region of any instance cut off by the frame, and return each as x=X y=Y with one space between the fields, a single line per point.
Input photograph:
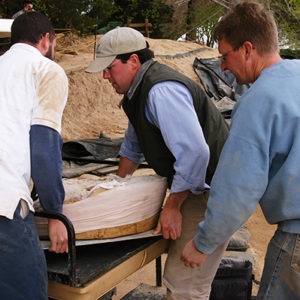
x=170 y=219
x=46 y=167
x=126 y=167
x=238 y=184
x=46 y=172
x=175 y=200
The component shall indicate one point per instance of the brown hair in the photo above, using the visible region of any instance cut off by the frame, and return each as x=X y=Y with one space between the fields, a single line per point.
x=249 y=21
x=31 y=27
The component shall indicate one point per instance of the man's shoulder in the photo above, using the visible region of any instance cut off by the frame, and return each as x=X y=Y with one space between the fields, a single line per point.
x=18 y=13
x=162 y=72
x=45 y=64
x=157 y=66
x=54 y=65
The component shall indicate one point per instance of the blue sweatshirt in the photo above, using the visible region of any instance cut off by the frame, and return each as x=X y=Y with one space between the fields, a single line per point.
x=260 y=162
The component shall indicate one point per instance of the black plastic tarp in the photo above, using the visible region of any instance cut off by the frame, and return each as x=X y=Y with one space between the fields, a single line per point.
x=217 y=84
x=97 y=149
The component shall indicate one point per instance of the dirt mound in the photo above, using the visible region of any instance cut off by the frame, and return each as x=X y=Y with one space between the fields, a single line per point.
x=70 y=41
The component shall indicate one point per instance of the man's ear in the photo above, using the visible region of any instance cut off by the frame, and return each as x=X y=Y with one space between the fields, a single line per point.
x=134 y=61
x=44 y=43
x=248 y=47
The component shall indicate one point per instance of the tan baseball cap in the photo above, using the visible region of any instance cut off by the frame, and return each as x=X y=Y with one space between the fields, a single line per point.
x=117 y=41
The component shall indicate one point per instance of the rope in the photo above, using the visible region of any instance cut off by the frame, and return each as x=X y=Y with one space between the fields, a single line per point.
x=180 y=55
x=202 y=22
x=66 y=29
x=74 y=49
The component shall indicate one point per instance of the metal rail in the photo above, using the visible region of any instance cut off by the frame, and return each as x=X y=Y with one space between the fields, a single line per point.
x=71 y=241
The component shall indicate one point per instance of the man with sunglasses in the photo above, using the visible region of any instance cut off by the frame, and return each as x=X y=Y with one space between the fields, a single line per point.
x=180 y=133
x=260 y=160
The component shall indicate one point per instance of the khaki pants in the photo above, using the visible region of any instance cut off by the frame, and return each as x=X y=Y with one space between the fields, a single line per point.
x=185 y=283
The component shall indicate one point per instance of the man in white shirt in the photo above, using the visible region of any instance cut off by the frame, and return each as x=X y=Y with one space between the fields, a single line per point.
x=33 y=94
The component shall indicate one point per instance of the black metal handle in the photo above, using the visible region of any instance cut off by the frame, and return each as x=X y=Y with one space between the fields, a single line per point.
x=71 y=241
x=101 y=161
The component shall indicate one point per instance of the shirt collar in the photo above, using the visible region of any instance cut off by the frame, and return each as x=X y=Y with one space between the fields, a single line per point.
x=137 y=80
x=26 y=47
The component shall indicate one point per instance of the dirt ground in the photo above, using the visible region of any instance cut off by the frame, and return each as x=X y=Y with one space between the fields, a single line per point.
x=93 y=107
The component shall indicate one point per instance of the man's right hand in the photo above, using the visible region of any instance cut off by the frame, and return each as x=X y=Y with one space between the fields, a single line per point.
x=58 y=236
x=126 y=167
x=191 y=256
x=169 y=223
x=170 y=220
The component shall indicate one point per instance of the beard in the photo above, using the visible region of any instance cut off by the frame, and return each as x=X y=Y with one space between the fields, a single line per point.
x=50 y=53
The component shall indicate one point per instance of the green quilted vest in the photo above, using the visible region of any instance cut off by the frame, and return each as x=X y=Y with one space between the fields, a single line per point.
x=151 y=142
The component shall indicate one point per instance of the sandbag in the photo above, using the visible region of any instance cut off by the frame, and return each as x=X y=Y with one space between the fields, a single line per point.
x=240 y=240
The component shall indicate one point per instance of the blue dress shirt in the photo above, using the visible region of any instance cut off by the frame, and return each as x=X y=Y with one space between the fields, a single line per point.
x=170 y=107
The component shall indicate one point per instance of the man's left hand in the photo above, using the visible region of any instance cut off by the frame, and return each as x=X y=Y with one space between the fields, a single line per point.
x=58 y=236
x=191 y=256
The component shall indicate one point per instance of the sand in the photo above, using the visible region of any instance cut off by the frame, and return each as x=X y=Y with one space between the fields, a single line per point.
x=93 y=107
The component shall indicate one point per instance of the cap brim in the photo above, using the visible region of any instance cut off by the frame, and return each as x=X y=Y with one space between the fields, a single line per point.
x=99 y=64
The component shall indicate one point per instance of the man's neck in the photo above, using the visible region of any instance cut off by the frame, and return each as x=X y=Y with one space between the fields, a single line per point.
x=265 y=62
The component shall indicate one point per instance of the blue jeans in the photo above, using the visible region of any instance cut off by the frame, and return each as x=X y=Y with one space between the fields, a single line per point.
x=23 y=270
x=281 y=275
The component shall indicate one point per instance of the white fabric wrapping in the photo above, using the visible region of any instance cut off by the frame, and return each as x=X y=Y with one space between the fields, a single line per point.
x=128 y=201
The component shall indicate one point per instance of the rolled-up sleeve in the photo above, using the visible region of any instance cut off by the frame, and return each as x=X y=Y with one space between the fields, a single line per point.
x=130 y=147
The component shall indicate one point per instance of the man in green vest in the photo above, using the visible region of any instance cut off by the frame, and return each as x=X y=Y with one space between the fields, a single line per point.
x=176 y=128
